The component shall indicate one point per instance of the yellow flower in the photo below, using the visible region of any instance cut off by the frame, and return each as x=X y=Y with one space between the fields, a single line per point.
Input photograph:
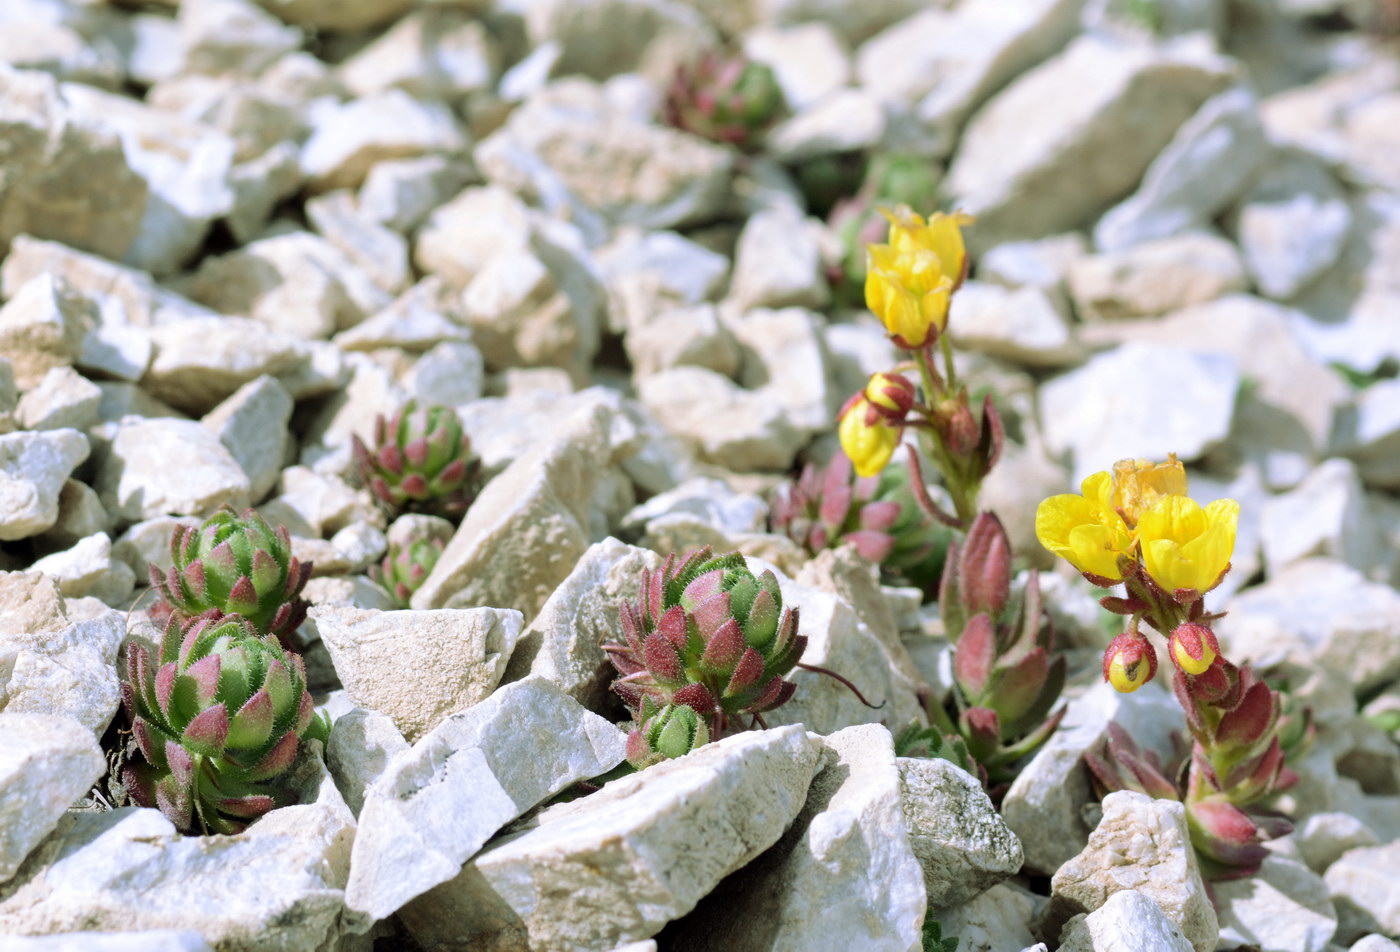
x=1129 y=662
x=1139 y=483
x=1084 y=530
x=1185 y=546
x=910 y=280
x=868 y=439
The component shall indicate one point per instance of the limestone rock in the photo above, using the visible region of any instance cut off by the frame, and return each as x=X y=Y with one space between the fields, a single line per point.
x=564 y=641
x=338 y=15
x=960 y=841
x=152 y=940
x=1282 y=906
x=88 y=569
x=33 y=470
x=1140 y=844
x=1369 y=433
x=1325 y=836
x=347 y=141
x=740 y=429
x=994 y=921
x=1069 y=138
x=252 y=426
x=1326 y=515
x=42 y=326
x=1025 y=326
x=614 y=863
x=400 y=193
x=435 y=53
x=158 y=467
x=203 y=361
x=1155 y=277
x=843 y=875
x=361 y=746
x=778 y=262
x=80 y=514
x=382 y=254
x=684 y=337
x=46 y=762
x=436 y=804
x=809 y=61
x=418 y=666
x=63 y=398
x=599 y=38
x=848 y=120
x=1127 y=922
x=1364 y=890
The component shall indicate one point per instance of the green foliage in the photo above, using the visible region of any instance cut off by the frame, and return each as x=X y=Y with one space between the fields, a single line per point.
x=421 y=461
x=931 y=743
x=934 y=940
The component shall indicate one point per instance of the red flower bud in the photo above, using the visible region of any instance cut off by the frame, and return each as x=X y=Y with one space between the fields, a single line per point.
x=1193 y=648
x=1129 y=662
x=984 y=567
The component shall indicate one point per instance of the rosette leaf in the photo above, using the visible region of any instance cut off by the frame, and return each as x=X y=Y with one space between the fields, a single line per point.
x=421 y=461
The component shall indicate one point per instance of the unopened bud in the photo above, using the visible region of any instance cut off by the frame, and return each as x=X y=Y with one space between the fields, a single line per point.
x=984 y=565
x=960 y=429
x=1193 y=648
x=1129 y=662
x=892 y=396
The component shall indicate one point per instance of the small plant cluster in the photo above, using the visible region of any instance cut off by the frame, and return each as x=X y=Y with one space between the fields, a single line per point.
x=724 y=98
x=1138 y=527
x=219 y=709
x=1007 y=678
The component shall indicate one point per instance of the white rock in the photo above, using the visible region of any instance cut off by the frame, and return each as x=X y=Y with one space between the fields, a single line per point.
x=232 y=36
x=46 y=762
x=601 y=38
x=1182 y=403
x=338 y=15
x=201 y=362
x=684 y=337
x=1282 y=906
x=158 y=467
x=252 y=426
x=1363 y=888
x=437 y=53
x=1326 y=515
x=153 y=940
x=809 y=61
x=740 y=429
x=843 y=875
x=1157 y=276
x=1325 y=836
x=347 y=141
x=1320 y=613
x=1205 y=166
x=846 y=121
x=418 y=667
x=702 y=499
x=117 y=351
x=80 y=514
x=1127 y=922
x=33 y=469
x=360 y=544
x=615 y=864
x=56 y=660
x=88 y=569
x=665 y=262
x=564 y=641
x=1067 y=139
x=360 y=748
x=379 y=252
x=786 y=360
x=778 y=262
x=325 y=502
x=996 y=920
x=116 y=870
x=1370 y=434
x=1024 y=326
x=460 y=237
x=259 y=185
x=400 y=193
x=1292 y=224
x=42 y=326
x=147 y=543
x=438 y=803
x=452 y=373
x=962 y=844
x=62 y=399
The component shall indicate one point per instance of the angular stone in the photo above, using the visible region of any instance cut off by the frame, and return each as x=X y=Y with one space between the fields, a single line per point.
x=418 y=666
x=1025 y=326
x=960 y=841
x=529 y=526
x=361 y=746
x=80 y=514
x=1155 y=277
x=1068 y=138
x=339 y=15
x=88 y=569
x=842 y=876
x=159 y=467
x=382 y=254
x=400 y=193
x=564 y=641
x=1364 y=890
x=1140 y=844
x=1204 y=168
x=785 y=358
x=203 y=361
x=1127 y=922
x=461 y=236
x=347 y=141
x=684 y=337
x=438 y=803
x=778 y=262
x=152 y=940
x=1369 y=433
x=849 y=120
x=997 y=920
x=232 y=36
x=33 y=470
x=617 y=864
x=1183 y=403
x=56 y=661
x=809 y=61
x=1325 y=836
x=117 y=870
x=252 y=426
x=435 y=53
x=42 y=327
x=63 y=398
x=742 y=430
x=1282 y=906
x=46 y=762
x=601 y=38
x=1326 y=515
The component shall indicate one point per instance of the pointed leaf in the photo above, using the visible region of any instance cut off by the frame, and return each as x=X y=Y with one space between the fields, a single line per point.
x=207 y=732
x=713 y=612
x=974 y=656
x=662 y=659
x=277 y=760
x=252 y=725
x=724 y=649
x=747 y=673
x=697 y=696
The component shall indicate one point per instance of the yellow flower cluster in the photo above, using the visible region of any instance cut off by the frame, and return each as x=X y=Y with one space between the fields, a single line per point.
x=1141 y=510
x=910 y=280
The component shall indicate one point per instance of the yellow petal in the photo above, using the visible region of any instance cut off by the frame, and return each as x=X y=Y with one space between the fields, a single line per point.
x=1094 y=549
x=1138 y=484
x=868 y=446
x=1124 y=680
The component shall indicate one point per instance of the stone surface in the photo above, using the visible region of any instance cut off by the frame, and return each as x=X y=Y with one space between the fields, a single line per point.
x=42 y=326
x=740 y=429
x=46 y=762
x=362 y=745
x=201 y=362
x=346 y=142
x=158 y=467
x=843 y=875
x=1025 y=326
x=402 y=192
x=1155 y=277
x=684 y=337
x=437 y=53
x=88 y=569
x=848 y=120
x=961 y=842
x=1325 y=836
x=418 y=666
x=1363 y=889
x=809 y=61
x=614 y=863
x=1127 y=922
x=1140 y=844
x=62 y=399
x=1282 y=906
x=994 y=921
x=1326 y=515
x=438 y=803
x=1369 y=433
x=33 y=470
x=1182 y=403
x=153 y=940
x=778 y=262
x=252 y=426
x=564 y=641
x=1207 y=164
x=1070 y=137
x=112 y=871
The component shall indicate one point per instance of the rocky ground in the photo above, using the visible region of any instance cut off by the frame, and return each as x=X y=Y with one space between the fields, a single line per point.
x=234 y=232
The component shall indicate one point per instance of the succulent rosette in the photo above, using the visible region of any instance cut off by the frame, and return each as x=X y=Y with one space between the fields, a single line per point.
x=664 y=733
x=406 y=566
x=421 y=461
x=234 y=565
x=218 y=716
x=725 y=99
x=708 y=633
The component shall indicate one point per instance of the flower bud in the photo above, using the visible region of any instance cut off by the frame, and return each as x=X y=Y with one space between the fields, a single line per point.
x=960 y=429
x=1129 y=662
x=984 y=564
x=1193 y=648
x=866 y=437
x=891 y=395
